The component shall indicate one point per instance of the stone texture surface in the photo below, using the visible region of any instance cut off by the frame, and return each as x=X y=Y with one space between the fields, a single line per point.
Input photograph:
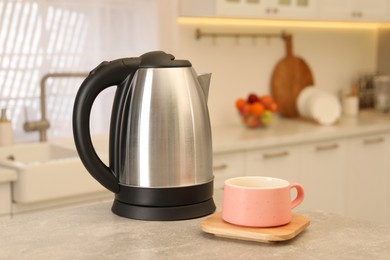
x=93 y=232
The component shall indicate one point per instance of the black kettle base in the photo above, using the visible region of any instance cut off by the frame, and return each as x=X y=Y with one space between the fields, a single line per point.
x=163 y=213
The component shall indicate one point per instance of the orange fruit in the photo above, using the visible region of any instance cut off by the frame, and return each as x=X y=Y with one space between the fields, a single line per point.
x=267 y=100
x=245 y=109
x=274 y=107
x=257 y=109
x=240 y=102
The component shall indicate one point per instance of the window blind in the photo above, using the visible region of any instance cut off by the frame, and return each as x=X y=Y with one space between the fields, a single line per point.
x=42 y=36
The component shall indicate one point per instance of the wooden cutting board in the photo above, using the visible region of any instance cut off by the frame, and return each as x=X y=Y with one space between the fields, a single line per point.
x=290 y=76
x=215 y=225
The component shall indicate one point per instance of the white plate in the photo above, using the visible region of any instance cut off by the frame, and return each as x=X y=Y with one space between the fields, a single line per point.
x=302 y=99
x=319 y=105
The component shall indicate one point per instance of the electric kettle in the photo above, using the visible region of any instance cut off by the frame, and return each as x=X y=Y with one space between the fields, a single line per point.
x=160 y=147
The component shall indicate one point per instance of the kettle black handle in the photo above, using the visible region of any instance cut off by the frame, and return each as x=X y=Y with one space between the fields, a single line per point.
x=105 y=75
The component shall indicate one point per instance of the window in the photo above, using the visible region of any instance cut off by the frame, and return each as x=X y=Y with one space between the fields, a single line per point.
x=42 y=36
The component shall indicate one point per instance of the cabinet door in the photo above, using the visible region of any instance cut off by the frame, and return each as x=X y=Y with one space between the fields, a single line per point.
x=283 y=162
x=322 y=176
x=197 y=8
x=368 y=179
x=354 y=10
x=281 y=9
x=5 y=199
x=334 y=9
x=291 y=9
x=369 y=10
x=240 y=8
x=227 y=165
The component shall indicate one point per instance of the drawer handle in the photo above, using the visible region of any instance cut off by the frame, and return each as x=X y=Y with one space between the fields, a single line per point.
x=327 y=147
x=220 y=167
x=374 y=140
x=275 y=155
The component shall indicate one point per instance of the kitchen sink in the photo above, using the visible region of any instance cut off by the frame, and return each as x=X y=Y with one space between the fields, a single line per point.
x=35 y=153
x=47 y=171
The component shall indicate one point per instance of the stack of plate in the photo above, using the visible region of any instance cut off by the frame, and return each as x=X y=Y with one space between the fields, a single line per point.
x=318 y=105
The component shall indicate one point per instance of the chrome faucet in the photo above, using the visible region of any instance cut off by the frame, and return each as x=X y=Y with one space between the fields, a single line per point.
x=44 y=124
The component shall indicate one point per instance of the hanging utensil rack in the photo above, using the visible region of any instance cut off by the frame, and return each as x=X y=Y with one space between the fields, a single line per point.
x=200 y=34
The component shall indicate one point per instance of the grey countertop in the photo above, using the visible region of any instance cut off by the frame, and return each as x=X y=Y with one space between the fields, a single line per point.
x=93 y=232
x=286 y=131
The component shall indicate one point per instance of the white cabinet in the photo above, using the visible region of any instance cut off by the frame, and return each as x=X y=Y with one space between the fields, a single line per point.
x=6 y=178
x=227 y=165
x=197 y=8
x=5 y=199
x=282 y=162
x=368 y=178
x=356 y=10
x=322 y=176
x=347 y=176
x=267 y=9
x=334 y=10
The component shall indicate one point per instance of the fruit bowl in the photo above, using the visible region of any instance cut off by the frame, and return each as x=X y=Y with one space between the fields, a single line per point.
x=253 y=121
x=257 y=111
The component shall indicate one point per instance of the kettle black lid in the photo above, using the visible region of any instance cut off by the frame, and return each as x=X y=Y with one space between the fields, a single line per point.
x=160 y=59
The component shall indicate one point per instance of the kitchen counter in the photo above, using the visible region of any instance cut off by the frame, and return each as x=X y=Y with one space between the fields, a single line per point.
x=282 y=132
x=286 y=131
x=7 y=175
x=93 y=232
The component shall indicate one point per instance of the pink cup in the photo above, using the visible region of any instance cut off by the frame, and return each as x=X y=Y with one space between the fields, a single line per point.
x=256 y=201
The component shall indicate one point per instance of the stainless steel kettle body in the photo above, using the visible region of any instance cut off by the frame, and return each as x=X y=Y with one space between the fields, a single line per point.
x=166 y=137
x=160 y=137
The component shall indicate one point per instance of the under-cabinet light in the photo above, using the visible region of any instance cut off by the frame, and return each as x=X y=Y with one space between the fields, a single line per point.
x=281 y=23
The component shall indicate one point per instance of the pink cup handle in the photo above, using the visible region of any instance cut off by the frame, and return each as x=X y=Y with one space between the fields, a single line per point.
x=300 y=194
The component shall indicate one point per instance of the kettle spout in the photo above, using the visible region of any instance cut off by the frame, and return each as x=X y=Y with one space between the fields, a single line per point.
x=204 y=81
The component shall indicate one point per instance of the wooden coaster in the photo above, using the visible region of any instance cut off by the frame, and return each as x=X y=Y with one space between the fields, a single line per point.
x=215 y=225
